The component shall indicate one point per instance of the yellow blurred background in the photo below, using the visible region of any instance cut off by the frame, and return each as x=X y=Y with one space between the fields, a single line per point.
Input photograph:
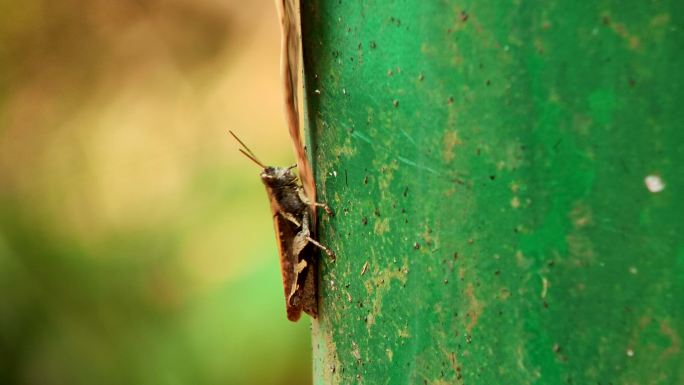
x=136 y=243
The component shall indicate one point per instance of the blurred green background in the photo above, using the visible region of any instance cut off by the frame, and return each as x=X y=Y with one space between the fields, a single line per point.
x=136 y=243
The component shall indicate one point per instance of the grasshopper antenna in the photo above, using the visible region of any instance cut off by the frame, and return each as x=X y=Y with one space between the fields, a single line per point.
x=246 y=151
x=252 y=158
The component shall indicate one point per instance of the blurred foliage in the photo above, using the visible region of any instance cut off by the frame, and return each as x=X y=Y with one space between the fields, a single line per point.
x=135 y=242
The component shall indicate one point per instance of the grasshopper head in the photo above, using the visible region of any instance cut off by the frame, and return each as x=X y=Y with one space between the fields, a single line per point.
x=278 y=176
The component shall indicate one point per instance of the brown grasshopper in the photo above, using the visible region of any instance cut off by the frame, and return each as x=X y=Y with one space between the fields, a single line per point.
x=292 y=219
x=293 y=205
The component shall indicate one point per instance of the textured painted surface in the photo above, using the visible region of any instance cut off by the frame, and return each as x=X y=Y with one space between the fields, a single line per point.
x=487 y=162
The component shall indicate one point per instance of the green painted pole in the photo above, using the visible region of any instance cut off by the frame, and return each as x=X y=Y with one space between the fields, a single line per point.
x=509 y=190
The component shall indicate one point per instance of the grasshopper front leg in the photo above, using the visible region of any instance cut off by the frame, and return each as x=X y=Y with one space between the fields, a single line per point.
x=307 y=201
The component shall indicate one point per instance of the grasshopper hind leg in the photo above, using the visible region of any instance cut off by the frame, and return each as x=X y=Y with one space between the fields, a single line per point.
x=320 y=246
x=304 y=237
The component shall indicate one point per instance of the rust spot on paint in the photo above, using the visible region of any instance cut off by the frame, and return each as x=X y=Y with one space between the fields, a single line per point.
x=580 y=215
x=660 y=20
x=621 y=30
x=381 y=226
x=475 y=308
x=675 y=346
x=379 y=285
x=450 y=141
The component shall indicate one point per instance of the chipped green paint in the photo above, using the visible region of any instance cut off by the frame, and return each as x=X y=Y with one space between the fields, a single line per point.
x=487 y=162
